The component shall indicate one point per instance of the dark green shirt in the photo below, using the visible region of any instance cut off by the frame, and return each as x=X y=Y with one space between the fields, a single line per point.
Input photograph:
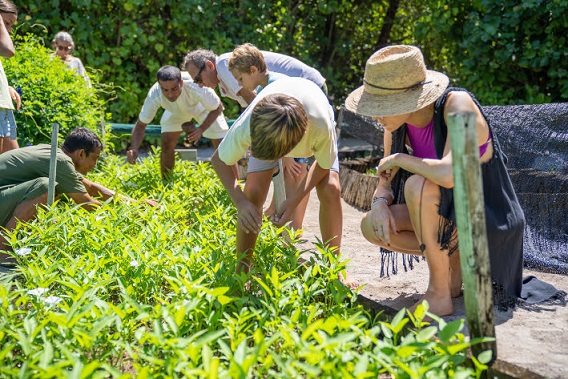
x=28 y=163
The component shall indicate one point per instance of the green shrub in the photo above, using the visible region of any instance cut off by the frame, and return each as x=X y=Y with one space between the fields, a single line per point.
x=51 y=93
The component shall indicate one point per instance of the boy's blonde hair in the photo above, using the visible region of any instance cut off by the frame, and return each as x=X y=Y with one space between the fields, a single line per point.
x=246 y=55
x=278 y=123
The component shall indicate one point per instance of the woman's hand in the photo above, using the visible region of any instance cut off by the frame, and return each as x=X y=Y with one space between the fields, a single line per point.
x=382 y=222
x=388 y=167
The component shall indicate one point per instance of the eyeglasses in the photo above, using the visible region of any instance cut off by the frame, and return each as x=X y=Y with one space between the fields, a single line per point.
x=66 y=48
x=197 y=78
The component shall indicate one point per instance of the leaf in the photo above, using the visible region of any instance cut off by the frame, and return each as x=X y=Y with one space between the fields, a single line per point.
x=449 y=331
x=453 y=349
x=485 y=357
x=426 y=333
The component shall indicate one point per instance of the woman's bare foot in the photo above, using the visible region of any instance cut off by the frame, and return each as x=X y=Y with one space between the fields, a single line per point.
x=438 y=305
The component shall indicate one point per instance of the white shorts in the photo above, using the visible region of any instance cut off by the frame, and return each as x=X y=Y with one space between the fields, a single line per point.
x=7 y=124
x=172 y=123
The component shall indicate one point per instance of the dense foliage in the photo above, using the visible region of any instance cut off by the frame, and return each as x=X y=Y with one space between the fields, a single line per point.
x=51 y=93
x=506 y=52
x=129 y=291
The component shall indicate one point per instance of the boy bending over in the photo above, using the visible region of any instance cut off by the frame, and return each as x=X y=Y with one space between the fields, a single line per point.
x=290 y=117
x=249 y=68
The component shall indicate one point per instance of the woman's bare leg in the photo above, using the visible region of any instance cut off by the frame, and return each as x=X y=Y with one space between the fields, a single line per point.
x=423 y=199
x=7 y=144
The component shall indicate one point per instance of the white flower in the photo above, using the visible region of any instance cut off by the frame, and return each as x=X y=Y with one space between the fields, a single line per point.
x=22 y=252
x=133 y=263
x=40 y=291
x=52 y=300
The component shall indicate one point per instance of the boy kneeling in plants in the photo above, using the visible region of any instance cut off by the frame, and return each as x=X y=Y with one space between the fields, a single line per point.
x=25 y=177
x=290 y=117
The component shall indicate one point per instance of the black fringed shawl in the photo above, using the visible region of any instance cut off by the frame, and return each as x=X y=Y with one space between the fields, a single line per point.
x=504 y=217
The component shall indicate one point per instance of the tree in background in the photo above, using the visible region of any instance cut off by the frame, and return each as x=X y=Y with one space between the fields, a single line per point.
x=506 y=52
x=497 y=49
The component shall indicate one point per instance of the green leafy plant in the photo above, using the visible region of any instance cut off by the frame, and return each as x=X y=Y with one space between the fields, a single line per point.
x=51 y=93
x=133 y=291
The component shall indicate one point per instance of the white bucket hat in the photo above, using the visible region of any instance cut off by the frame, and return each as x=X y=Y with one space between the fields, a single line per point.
x=396 y=82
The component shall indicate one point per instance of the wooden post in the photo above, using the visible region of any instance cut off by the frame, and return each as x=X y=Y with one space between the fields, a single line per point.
x=472 y=233
x=279 y=189
x=103 y=131
x=52 y=164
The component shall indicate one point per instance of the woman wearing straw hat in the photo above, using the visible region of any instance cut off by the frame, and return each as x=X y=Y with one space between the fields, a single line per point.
x=416 y=215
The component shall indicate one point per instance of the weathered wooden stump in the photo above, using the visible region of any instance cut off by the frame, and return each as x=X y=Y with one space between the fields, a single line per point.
x=357 y=187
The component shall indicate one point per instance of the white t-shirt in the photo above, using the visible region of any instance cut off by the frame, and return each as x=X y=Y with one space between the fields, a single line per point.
x=320 y=139
x=195 y=102
x=5 y=99
x=283 y=64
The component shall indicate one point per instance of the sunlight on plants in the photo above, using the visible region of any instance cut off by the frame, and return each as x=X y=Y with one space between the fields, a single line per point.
x=133 y=291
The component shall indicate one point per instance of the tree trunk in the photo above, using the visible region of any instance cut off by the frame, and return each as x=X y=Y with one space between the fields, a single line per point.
x=388 y=22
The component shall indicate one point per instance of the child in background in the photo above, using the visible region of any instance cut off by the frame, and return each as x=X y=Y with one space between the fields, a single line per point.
x=9 y=15
x=249 y=68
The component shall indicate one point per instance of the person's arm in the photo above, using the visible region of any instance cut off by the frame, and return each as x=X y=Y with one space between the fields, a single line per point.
x=137 y=137
x=85 y=200
x=97 y=191
x=460 y=102
x=15 y=96
x=211 y=117
x=249 y=216
x=247 y=95
x=6 y=44
x=439 y=171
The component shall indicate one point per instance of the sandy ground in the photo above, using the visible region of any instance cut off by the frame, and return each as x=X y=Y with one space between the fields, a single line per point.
x=530 y=344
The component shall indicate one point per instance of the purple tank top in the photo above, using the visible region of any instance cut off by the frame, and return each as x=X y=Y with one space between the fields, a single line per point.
x=422 y=141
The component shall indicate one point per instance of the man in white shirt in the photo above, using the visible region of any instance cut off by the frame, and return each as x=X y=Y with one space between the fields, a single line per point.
x=206 y=68
x=183 y=102
x=290 y=117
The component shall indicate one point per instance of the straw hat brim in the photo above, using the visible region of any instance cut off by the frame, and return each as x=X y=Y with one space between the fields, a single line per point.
x=400 y=102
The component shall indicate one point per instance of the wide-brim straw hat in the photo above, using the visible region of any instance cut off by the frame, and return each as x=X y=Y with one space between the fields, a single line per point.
x=396 y=82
